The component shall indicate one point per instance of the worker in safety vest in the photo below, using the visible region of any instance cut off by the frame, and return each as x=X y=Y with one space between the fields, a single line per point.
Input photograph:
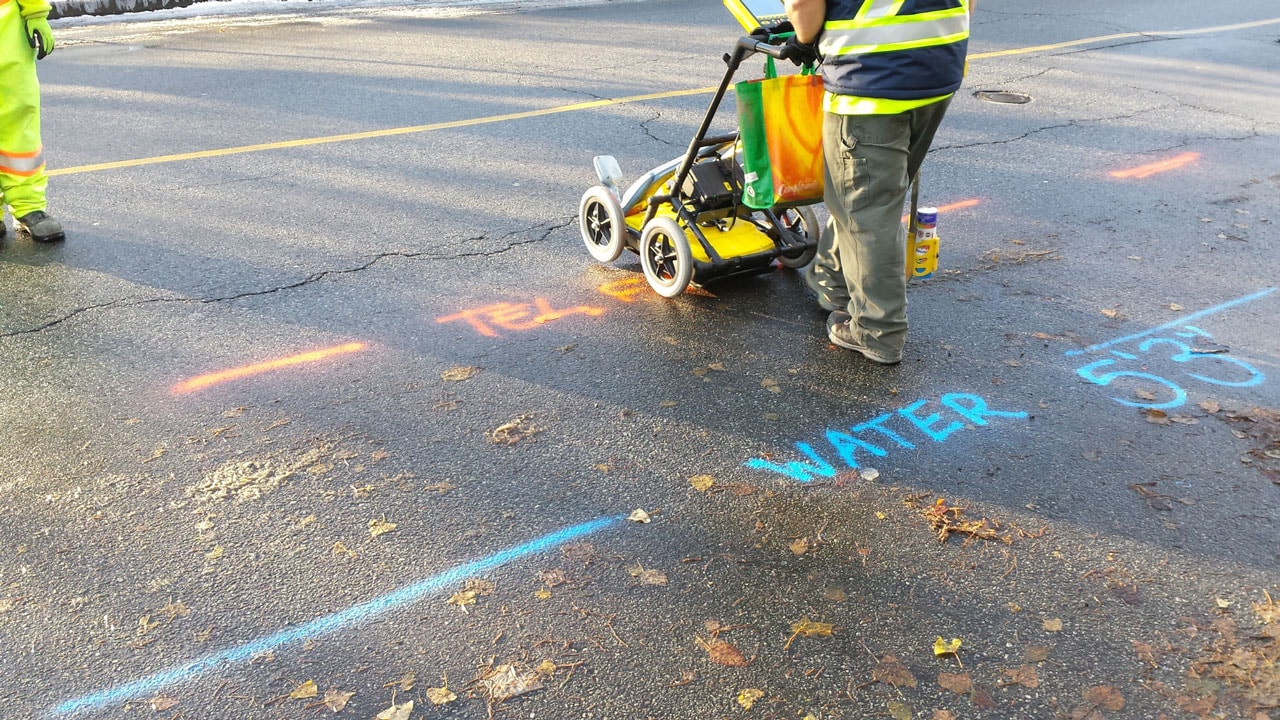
x=890 y=68
x=24 y=37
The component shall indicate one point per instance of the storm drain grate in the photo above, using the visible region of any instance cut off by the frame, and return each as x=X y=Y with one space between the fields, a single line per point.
x=1004 y=97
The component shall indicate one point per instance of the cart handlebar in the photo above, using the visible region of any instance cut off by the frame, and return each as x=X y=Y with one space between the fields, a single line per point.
x=783 y=47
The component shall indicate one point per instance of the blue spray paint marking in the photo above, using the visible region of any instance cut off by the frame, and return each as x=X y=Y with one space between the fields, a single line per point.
x=1176 y=323
x=848 y=444
x=352 y=615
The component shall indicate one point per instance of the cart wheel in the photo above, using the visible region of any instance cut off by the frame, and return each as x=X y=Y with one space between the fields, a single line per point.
x=600 y=218
x=803 y=222
x=665 y=257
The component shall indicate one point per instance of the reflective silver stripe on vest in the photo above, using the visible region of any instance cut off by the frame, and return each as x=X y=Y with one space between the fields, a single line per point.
x=21 y=164
x=837 y=40
x=879 y=8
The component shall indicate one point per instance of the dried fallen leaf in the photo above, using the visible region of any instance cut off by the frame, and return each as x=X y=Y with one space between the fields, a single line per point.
x=306 y=690
x=724 y=653
x=1176 y=307
x=648 y=576
x=748 y=697
x=942 y=647
x=702 y=483
x=1053 y=625
x=1105 y=697
x=1110 y=312
x=441 y=695
x=464 y=598
x=639 y=516
x=405 y=683
x=161 y=703
x=396 y=712
x=1210 y=406
x=943 y=715
x=956 y=682
x=1144 y=394
x=981 y=697
x=799 y=546
x=380 y=527
x=835 y=594
x=1037 y=653
x=891 y=671
x=458 y=374
x=506 y=681
x=808 y=628
x=771 y=385
x=336 y=700
x=898 y=710
x=1158 y=417
x=513 y=431
x=1268 y=612
x=1024 y=675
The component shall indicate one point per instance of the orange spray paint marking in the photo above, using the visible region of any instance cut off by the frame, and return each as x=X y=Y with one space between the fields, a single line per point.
x=203 y=381
x=1145 y=171
x=625 y=290
x=515 y=316
x=953 y=206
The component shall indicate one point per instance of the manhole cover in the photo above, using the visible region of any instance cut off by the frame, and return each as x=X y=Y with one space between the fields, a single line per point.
x=1003 y=97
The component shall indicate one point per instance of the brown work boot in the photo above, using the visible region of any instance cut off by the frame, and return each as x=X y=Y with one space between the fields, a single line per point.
x=840 y=332
x=41 y=226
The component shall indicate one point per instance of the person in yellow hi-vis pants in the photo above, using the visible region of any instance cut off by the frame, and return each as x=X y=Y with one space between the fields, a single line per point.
x=24 y=38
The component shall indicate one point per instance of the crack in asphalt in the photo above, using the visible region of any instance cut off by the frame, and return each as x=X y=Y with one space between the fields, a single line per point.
x=309 y=280
x=1045 y=128
x=644 y=125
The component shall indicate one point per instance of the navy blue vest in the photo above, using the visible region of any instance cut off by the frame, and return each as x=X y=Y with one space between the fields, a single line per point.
x=907 y=74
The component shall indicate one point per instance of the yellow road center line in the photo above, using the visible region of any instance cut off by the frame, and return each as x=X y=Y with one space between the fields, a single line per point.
x=1121 y=36
x=378 y=133
x=472 y=122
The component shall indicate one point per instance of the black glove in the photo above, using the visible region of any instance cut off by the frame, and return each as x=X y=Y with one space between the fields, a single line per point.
x=781 y=27
x=800 y=53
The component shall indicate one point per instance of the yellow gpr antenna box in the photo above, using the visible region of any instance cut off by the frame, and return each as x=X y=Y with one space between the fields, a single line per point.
x=752 y=14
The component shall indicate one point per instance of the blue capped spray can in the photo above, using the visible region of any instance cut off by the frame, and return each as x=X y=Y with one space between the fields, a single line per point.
x=924 y=246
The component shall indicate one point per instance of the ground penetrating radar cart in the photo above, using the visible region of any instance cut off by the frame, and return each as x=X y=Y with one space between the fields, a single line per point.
x=685 y=218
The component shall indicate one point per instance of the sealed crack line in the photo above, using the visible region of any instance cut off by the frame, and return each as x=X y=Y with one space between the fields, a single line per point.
x=644 y=125
x=1046 y=128
x=309 y=280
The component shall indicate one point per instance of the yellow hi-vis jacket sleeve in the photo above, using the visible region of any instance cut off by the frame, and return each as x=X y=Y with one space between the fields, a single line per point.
x=32 y=9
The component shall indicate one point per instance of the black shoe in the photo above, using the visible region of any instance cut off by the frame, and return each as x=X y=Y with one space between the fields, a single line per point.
x=41 y=226
x=839 y=332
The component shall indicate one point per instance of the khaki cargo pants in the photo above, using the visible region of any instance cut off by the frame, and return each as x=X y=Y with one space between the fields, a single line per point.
x=861 y=262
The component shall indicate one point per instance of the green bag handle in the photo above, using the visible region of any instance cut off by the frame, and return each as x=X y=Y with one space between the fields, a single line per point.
x=771 y=69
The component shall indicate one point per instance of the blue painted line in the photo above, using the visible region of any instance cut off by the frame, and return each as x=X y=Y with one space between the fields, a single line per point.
x=1180 y=321
x=351 y=616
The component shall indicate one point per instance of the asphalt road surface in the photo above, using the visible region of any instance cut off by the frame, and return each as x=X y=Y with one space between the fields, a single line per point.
x=323 y=405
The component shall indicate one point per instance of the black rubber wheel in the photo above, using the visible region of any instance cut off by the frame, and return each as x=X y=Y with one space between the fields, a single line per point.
x=665 y=257
x=803 y=222
x=601 y=222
